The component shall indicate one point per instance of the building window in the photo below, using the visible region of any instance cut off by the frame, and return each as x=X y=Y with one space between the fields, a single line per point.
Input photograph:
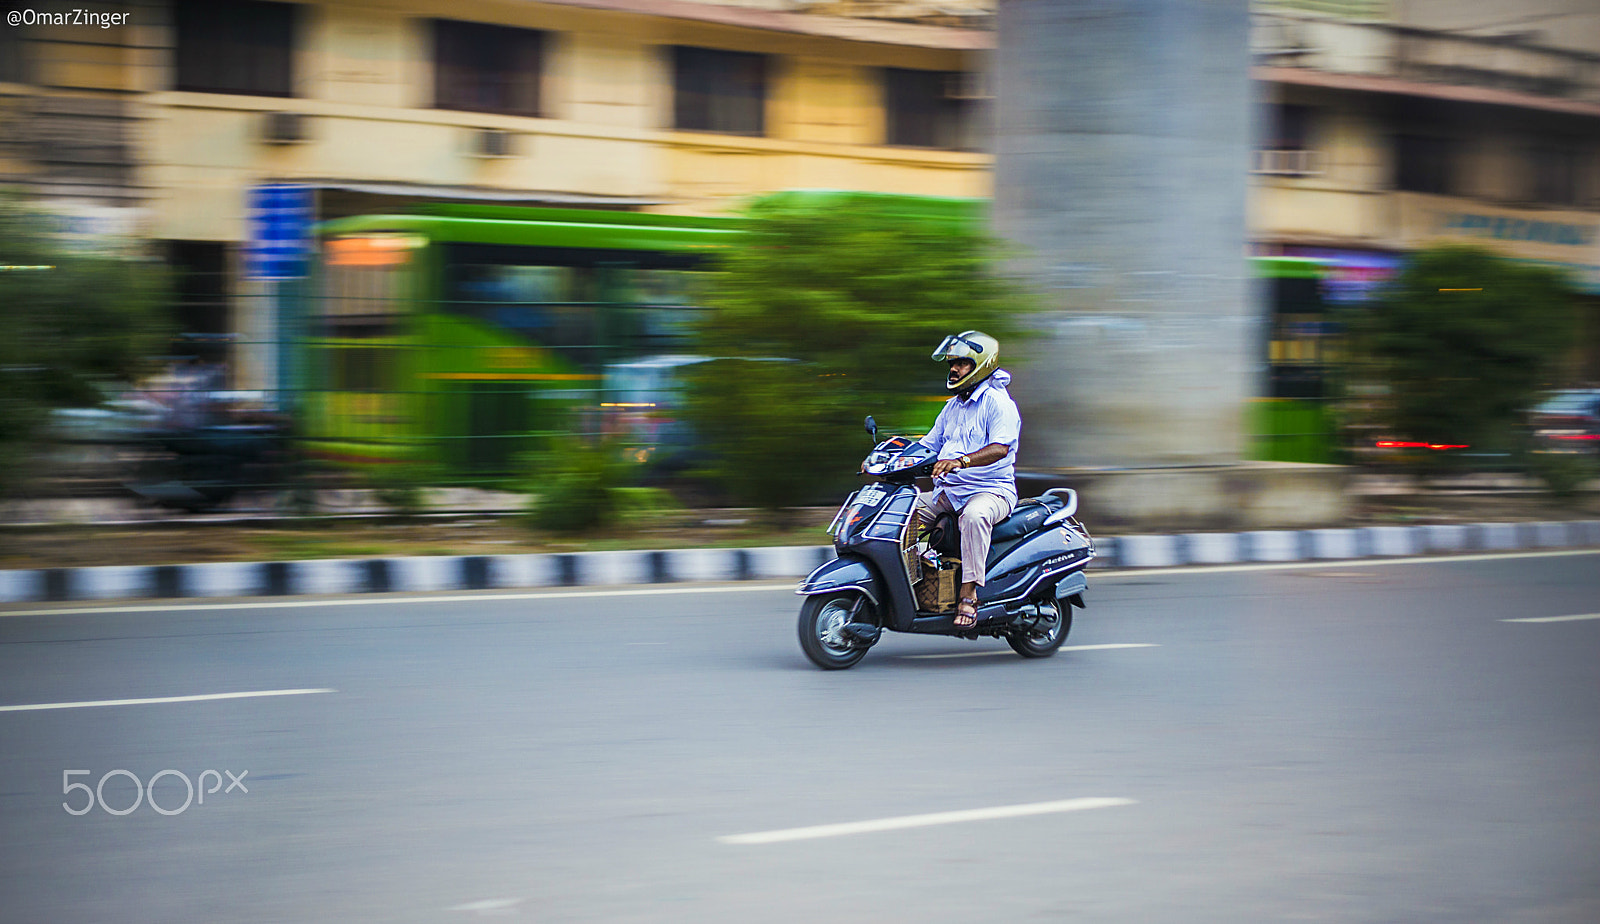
x=1291 y=128
x=484 y=68
x=1426 y=164
x=928 y=109
x=200 y=298
x=1555 y=171
x=719 y=91
x=235 y=46
x=1286 y=149
x=12 y=69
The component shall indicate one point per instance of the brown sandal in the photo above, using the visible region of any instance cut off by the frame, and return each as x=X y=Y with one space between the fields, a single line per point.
x=966 y=613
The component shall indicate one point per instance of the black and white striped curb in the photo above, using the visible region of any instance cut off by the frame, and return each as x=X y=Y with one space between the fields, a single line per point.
x=1166 y=551
x=418 y=573
x=486 y=572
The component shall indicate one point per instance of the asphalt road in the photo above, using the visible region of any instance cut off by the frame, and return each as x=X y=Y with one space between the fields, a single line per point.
x=1349 y=742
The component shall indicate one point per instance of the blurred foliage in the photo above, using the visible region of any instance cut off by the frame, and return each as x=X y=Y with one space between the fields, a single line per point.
x=72 y=322
x=1462 y=343
x=579 y=487
x=639 y=508
x=825 y=313
x=1563 y=474
x=403 y=487
x=782 y=434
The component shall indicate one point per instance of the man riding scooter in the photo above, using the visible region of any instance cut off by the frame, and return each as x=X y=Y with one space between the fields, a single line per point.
x=976 y=438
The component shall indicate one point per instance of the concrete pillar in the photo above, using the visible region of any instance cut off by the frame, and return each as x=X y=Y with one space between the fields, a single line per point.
x=1123 y=134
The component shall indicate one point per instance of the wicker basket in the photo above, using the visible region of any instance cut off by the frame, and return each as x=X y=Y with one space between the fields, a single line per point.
x=936 y=592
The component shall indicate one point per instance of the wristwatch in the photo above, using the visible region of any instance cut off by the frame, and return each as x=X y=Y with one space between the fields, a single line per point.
x=965 y=461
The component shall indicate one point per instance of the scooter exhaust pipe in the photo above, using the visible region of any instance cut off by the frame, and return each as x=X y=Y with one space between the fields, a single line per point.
x=1033 y=617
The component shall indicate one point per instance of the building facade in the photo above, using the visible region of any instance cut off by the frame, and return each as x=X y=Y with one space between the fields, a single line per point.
x=1472 y=121
x=157 y=121
x=1378 y=138
x=1385 y=124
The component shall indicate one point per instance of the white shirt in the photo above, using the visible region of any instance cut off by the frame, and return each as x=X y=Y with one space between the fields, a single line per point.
x=966 y=426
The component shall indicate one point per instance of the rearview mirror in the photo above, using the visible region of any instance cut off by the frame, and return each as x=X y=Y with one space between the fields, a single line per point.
x=872 y=427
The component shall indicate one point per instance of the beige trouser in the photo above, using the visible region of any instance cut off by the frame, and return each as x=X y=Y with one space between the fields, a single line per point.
x=977 y=522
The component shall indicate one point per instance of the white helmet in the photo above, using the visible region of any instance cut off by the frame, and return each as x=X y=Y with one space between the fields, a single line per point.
x=982 y=349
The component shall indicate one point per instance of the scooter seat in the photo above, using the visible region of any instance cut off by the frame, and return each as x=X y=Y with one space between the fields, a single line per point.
x=1028 y=516
x=1025 y=518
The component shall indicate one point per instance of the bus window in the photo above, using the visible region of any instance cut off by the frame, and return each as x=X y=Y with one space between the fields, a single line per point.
x=660 y=309
x=362 y=368
x=361 y=284
x=551 y=306
x=472 y=284
x=666 y=287
x=1299 y=349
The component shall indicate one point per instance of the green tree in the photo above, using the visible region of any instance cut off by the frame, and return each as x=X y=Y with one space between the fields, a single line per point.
x=72 y=321
x=828 y=311
x=1464 y=340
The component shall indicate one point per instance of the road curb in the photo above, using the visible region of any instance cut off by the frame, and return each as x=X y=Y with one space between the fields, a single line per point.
x=488 y=572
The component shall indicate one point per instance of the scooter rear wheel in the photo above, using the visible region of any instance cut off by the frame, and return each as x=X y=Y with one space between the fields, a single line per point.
x=822 y=618
x=1043 y=643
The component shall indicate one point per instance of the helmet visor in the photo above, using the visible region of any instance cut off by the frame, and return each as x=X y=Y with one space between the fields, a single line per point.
x=956 y=346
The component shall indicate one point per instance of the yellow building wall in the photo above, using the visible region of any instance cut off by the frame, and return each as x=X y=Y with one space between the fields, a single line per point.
x=85 y=57
x=1568 y=239
x=607 y=80
x=362 y=57
x=363 y=75
x=1351 y=202
x=1306 y=212
x=828 y=102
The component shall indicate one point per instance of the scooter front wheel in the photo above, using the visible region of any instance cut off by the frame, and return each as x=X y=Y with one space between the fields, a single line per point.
x=822 y=621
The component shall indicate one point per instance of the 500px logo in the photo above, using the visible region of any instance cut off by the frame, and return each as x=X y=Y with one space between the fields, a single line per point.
x=99 y=18
x=146 y=792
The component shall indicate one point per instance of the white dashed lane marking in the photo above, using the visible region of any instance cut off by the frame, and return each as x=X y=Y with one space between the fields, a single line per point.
x=163 y=699
x=1555 y=618
x=922 y=821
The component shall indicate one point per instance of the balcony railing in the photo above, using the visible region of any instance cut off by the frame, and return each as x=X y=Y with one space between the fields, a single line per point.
x=1373 y=49
x=1287 y=163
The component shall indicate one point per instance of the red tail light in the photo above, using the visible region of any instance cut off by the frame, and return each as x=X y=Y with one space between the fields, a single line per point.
x=1401 y=444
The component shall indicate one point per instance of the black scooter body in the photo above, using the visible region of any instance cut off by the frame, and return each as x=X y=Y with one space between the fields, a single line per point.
x=1037 y=555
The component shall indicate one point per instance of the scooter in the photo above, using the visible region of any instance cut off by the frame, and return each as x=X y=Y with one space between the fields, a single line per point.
x=892 y=576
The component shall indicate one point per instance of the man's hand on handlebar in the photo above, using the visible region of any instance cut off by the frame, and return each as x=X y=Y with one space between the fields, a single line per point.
x=993 y=452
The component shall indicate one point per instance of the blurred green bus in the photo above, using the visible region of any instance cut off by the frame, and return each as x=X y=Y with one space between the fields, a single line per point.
x=1294 y=420
x=461 y=336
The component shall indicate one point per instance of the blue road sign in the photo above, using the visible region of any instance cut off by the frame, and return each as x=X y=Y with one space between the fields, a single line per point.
x=279 y=219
